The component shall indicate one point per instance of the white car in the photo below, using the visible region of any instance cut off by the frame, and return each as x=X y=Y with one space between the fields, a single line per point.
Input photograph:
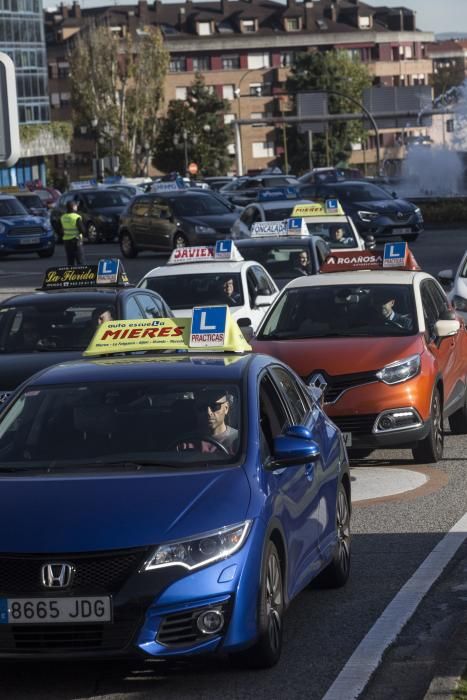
x=243 y=285
x=455 y=284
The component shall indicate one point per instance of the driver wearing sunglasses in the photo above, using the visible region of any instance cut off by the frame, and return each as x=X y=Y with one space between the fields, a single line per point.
x=213 y=407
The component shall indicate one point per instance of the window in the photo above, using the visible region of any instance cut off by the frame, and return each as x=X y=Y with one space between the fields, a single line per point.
x=231 y=149
x=204 y=28
x=287 y=58
x=259 y=60
x=248 y=25
x=408 y=52
x=364 y=22
x=273 y=416
x=132 y=309
x=441 y=302
x=263 y=149
x=177 y=64
x=429 y=311
x=229 y=118
x=63 y=70
x=151 y=306
x=55 y=99
x=65 y=98
x=256 y=89
x=249 y=216
x=141 y=207
x=288 y=385
x=231 y=62
x=181 y=93
x=201 y=63
x=263 y=282
x=292 y=24
x=228 y=92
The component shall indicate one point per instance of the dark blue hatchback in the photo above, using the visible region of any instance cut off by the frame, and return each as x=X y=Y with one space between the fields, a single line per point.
x=22 y=233
x=165 y=505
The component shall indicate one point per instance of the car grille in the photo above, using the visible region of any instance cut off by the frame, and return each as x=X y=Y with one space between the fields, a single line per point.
x=357 y=425
x=94 y=573
x=37 y=639
x=25 y=231
x=336 y=385
x=401 y=219
x=180 y=629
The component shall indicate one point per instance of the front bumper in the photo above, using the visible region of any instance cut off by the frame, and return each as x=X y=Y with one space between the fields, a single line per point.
x=386 y=229
x=155 y=613
x=15 y=244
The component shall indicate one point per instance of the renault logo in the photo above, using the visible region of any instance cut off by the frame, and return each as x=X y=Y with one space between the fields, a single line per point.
x=317 y=380
x=57 y=575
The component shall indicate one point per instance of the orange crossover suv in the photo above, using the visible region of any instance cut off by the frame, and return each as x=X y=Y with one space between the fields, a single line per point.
x=385 y=348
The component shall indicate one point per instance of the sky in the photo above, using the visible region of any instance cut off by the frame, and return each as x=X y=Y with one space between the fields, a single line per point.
x=437 y=16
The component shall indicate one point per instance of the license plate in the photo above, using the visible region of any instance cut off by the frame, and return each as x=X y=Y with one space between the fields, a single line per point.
x=30 y=241
x=50 y=610
x=347 y=439
x=403 y=230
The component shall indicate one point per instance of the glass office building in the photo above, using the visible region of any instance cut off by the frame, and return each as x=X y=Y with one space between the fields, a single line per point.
x=22 y=38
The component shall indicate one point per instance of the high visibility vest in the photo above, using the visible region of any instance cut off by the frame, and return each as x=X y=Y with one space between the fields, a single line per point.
x=70 y=226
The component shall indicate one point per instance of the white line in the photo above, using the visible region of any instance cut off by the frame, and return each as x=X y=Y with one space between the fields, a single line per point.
x=366 y=658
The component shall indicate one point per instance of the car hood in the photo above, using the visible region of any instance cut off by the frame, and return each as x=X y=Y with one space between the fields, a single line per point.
x=116 y=511
x=339 y=356
x=16 y=367
x=385 y=206
x=213 y=220
x=22 y=220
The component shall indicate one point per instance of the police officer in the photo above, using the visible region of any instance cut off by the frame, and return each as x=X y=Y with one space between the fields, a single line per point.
x=73 y=230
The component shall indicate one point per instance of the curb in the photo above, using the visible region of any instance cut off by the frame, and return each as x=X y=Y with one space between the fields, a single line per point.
x=451 y=667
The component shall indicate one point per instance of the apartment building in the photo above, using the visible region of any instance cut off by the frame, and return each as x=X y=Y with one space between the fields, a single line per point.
x=244 y=49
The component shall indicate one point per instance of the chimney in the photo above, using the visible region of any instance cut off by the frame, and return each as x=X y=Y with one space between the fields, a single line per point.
x=76 y=10
x=64 y=10
x=309 y=15
x=291 y=3
x=182 y=19
x=157 y=6
x=142 y=8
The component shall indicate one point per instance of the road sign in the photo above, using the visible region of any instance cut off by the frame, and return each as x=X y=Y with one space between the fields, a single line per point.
x=312 y=104
x=9 y=127
x=411 y=98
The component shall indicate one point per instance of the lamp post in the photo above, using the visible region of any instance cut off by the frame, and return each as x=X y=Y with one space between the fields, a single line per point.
x=185 y=136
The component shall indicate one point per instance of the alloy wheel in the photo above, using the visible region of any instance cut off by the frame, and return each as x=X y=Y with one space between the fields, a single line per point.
x=179 y=241
x=274 y=601
x=343 y=530
x=437 y=422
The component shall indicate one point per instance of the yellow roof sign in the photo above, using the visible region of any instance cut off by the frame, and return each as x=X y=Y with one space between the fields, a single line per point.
x=330 y=207
x=211 y=329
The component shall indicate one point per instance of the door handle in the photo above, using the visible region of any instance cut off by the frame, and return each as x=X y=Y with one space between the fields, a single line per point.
x=310 y=472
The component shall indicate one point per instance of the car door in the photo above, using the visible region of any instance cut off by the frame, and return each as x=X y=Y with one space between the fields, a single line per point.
x=139 y=220
x=296 y=488
x=161 y=225
x=442 y=349
x=259 y=283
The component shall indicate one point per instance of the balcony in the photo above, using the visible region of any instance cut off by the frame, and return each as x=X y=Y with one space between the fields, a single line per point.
x=384 y=69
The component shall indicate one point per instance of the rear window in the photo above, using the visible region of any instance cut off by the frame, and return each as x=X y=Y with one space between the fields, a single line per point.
x=186 y=291
x=336 y=235
x=278 y=214
x=280 y=261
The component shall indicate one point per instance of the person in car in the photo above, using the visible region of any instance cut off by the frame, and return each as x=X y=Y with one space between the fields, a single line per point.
x=302 y=266
x=212 y=407
x=339 y=236
x=228 y=288
x=385 y=305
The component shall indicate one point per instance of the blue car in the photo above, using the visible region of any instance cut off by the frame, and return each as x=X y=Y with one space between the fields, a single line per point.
x=22 y=233
x=167 y=506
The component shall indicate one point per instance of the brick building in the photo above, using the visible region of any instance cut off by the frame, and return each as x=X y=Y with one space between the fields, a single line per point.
x=244 y=50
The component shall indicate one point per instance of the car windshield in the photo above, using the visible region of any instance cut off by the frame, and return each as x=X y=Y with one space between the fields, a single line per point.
x=51 y=327
x=284 y=262
x=338 y=235
x=186 y=291
x=342 y=311
x=127 y=425
x=360 y=192
x=200 y=205
x=31 y=202
x=11 y=207
x=104 y=199
x=233 y=186
x=279 y=213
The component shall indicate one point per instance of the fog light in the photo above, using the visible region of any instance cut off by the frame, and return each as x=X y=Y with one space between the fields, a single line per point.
x=386 y=423
x=397 y=419
x=210 y=621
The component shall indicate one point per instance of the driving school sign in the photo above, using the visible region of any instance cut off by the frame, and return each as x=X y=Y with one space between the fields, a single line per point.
x=208 y=327
x=353 y=260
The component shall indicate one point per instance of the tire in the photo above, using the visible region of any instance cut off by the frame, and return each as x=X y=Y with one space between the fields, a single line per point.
x=458 y=419
x=358 y=453
x=180 y=240
x=337 y=571
x=266 y=651
x=92 y=233
x=431 y=448
x=127 y=246
x=46 y=253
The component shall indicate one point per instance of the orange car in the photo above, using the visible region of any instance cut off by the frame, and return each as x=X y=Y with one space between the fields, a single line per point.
x=385 y=348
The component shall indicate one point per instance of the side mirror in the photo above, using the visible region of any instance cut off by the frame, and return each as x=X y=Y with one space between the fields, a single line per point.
x=246 y=327
x=294 y=448
x=443 y=329
x=370 y=242
x=445 y=277
x=262 y=300
x=394 y=195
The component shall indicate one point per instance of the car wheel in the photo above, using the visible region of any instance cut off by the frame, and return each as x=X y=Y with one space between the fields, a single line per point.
x=431 y=448
x=180 y=241
x=46 y=253
x=127 y=246
x=267 y=649
x=337 y=571
x=458 y=420
x=92 y=233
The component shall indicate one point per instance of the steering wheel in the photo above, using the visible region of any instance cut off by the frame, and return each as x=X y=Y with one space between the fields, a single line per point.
x=197 y=441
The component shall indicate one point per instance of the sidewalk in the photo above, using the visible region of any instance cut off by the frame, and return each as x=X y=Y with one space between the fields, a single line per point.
x=451 y=666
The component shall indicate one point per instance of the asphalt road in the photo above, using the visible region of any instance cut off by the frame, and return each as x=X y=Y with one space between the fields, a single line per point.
x=391 y=538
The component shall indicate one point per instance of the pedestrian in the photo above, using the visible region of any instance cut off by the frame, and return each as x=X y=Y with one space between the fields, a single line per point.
x=73 y=230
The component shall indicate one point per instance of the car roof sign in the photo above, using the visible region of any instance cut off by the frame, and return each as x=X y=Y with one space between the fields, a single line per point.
x=272 y=193
x=269 y=228
x=354 y=260
x=171 y=186
x=211 y=329
x=296 y=226
x=329 y=207
x=395 y=254
x=224 y=250
x=107 y=272
x=82 y=184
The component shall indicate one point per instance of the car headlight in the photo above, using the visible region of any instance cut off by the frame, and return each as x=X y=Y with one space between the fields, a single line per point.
x=201 y=550
x=2 y=228
x=418 y=211
x=459 y=303
x=368 y=215
x=400 y=371
x=204 y=229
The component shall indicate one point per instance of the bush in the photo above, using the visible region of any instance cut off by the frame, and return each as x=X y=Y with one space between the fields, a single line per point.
x=443 y=211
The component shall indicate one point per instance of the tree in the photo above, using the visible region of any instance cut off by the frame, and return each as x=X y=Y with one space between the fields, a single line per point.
x=333 y=72
x=448 y=76
x=197 y=122
x=118 y=90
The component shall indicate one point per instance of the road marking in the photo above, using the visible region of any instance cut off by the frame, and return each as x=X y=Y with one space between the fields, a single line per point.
x=380 y=482
x=366 y=658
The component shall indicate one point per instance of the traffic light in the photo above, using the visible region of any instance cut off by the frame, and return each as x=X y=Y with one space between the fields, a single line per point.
x=9 y=128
